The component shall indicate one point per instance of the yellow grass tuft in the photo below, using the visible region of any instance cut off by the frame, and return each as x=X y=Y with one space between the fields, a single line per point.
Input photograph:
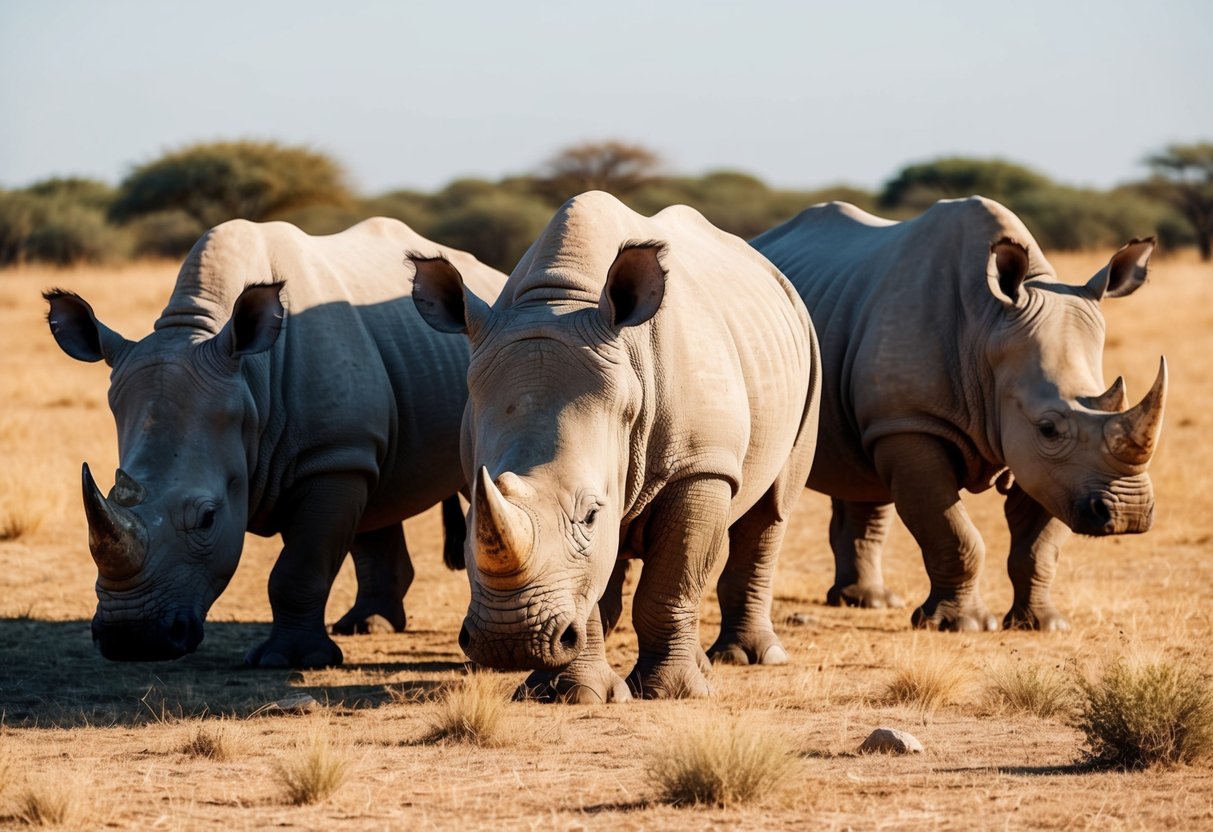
x=221 y=742
x=1138 y=716
x=472 y=711
x=22 y=510
x=315 y=773
x=1035 y=689
x=927 y=681
x=719 y=763
x=46 y=803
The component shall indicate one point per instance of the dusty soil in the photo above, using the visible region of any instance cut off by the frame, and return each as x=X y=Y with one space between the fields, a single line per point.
x=110 y=733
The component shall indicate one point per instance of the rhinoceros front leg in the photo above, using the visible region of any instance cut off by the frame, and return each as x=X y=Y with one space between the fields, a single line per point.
x=682 y=538
x=384 y=571
x=323 y=517
x=587 y=680
x=857 y=535
x=745 y=590
x=1036 y=541
x=919 y=473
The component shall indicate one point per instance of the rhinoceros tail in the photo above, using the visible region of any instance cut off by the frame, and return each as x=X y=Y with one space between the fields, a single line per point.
x=455 y=532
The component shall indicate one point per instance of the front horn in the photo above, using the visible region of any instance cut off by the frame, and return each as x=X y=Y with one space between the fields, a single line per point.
x=505 y=534
x=1132 y=436
x=1114 y=400
x=116 y=537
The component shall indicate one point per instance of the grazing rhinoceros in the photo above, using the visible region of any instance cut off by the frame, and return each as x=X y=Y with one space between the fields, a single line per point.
x=643 y=387
x=951 y=354
x=289 y=386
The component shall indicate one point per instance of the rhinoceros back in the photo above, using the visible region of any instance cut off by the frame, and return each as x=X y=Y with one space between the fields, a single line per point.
x=356 y=381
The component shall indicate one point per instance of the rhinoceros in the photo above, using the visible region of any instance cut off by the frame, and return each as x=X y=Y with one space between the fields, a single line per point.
x=642 y=387
x=289 y=387
x=954 y=359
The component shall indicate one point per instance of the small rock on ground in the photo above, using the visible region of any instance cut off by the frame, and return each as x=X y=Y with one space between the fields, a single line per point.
x=296 y=703
x=890 y=741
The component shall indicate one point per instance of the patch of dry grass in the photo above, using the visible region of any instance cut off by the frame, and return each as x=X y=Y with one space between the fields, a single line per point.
x=1142 y=715
x=927 y=681
x=221 y=742
x=315 y=771
x=46 y=802
x=1029 y=688
x=471 y=711
x=719 y=762
x=23 y=508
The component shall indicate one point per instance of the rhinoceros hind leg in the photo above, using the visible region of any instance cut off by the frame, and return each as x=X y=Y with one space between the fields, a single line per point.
x=857 y=535
x=920 y=473
x=1036 y=541
x=684 y=533
x=384 y=571
x=324 y=515
x=588 y=680
x=745 y=590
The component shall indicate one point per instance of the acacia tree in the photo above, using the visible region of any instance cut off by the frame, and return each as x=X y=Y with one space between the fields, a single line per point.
x=221 y=181
x=1183 y=177
x=613 y=166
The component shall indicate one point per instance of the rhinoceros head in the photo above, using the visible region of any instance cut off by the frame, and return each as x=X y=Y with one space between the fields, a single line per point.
x=1073 y=445
x=553 y=399
x=168 y=536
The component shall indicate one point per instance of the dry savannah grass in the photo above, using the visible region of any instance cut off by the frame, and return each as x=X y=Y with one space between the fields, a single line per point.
x=189 y=744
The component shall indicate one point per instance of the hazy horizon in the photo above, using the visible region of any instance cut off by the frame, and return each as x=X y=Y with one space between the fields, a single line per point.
x=799 y=94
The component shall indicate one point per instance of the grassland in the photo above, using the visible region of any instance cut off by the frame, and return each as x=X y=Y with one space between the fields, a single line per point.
x=113 y=742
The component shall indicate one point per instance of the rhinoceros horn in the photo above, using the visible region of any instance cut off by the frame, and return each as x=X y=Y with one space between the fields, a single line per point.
x=116 y=537
x=1113 y=400
x=505 y=533
x=1132 y=435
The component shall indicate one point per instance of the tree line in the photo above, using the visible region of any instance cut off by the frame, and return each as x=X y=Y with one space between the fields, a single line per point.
x=163 y=206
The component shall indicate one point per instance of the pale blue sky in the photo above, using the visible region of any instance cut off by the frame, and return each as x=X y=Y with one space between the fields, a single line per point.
x=415 y=94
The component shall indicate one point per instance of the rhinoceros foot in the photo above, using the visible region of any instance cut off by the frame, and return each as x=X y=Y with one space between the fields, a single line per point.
x=954 y=616
x=865 y=596
x=294 y=648
x=587 y=685
x=670 y=678
x=359 y=619
x=748 y=647
x=1045 y=619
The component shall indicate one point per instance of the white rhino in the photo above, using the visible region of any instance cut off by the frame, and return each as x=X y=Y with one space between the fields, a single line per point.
x=954 y=359
x=289 y=387
x=643 y=387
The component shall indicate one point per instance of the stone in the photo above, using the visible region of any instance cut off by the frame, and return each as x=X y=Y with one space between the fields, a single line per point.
x=296 y=703
x=890 y=741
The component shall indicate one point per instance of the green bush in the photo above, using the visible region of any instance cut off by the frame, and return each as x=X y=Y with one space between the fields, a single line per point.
x=496 y=227
x=56 y=230
x=1155 y=714
x=164 y=234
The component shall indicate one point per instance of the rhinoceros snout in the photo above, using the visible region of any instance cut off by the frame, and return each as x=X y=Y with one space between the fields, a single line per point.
x=169 y=637
x=1100 y=514
x=548 y=647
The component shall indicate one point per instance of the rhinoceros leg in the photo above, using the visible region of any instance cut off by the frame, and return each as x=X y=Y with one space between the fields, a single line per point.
x=857 y=535
x=1036 y=541
x=745 y=590
x=920 y=474
x=384 y=571
x=324 y=515
x=587 y=680
x=684 y=534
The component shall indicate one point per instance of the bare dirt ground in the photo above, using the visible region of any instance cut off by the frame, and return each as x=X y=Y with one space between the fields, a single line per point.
x=110 y=734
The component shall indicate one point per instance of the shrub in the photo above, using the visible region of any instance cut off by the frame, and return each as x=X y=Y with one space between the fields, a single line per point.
x=213 y=742
x=315 y=774
x=926 y=682
x=719 y=763
x=496 y=227
x=46 y=803
x=1043 y=691
x=56 y=230
x=472 y=711
x=1141 y=716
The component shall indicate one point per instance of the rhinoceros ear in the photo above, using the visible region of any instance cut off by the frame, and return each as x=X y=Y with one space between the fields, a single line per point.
x=77 y=330
x=1125 y=272
x=440 y=296
x=635 y=284
x=256 y=321
x=1007 y=270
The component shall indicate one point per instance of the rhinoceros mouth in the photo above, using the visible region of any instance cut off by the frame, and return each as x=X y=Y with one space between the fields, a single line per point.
x=549 y=644
x=133 y=640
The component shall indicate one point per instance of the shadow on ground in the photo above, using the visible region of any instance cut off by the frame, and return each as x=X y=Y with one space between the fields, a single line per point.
x=51 y=675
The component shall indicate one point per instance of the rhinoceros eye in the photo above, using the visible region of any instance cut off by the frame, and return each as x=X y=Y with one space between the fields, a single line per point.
x=1048 y=430
x=590 y=517
x=207 y=520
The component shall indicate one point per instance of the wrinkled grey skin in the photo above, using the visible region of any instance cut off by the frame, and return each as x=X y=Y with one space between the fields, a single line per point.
x=288 y=387
x=627 y=399
x=954 y=359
